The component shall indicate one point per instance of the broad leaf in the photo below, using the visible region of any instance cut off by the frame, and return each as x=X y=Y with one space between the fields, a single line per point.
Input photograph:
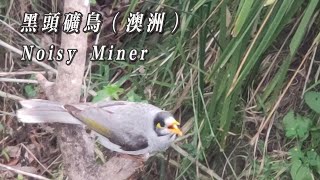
x=312 y=99
x=314 y=160
x=300 y=171
x=110 y=91
x=30 y=91
x=296 y=126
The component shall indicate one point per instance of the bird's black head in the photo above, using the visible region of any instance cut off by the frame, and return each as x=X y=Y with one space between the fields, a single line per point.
x=164 y=124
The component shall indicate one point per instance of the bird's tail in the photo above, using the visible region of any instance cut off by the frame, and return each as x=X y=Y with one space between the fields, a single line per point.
x=44 y=111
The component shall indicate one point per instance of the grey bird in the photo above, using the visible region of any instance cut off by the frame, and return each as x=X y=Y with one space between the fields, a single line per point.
x=125 y=127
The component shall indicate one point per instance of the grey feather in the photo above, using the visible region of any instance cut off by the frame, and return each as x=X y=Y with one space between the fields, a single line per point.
x=130 y=125
x=43 y=111
x=128 y=135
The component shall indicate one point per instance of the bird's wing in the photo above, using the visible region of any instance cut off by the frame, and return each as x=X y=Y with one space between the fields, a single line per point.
x=106 y=104
x=102 y=121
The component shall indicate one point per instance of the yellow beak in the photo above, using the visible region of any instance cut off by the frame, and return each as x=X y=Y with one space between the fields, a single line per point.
x=175 y=129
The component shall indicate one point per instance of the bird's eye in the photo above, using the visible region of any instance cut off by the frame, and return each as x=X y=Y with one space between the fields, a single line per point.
x=159 y=125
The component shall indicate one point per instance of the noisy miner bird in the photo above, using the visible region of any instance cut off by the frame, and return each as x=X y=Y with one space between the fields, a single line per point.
x=125 y=127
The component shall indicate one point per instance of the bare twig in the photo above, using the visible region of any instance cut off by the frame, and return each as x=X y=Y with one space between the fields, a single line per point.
x=266 y=121
x=40 y=79
x=13 y=49
x=184 y=93
x=22 y=172
x=20 y=73
x=309 y=71
x=202 y=167
x=14 y=30
x=10 y=96
x=7 y=113
x=36 y=159
x=18 y=80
